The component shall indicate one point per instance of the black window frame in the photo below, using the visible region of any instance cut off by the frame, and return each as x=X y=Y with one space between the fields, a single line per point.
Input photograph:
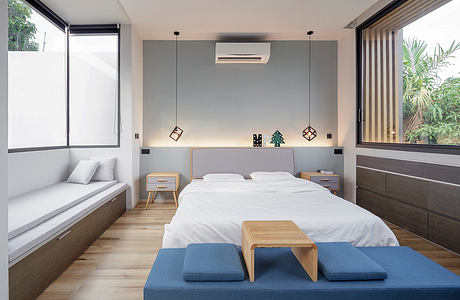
x=52 y=17
x=428 y=148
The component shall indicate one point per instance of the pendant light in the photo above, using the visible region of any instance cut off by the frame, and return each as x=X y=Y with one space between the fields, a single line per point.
x=309 y=133
x=177 y=131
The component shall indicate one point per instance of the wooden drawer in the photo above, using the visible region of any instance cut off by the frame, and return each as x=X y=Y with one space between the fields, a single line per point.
x=444 y=231
x=373 y=202
x=160 y=186
x=407 y=189
x=329 y=185
x=329 y=182
x=370 y=180
x=161 y=180
x=324 y=179
x=34 y=273
x=407 y=216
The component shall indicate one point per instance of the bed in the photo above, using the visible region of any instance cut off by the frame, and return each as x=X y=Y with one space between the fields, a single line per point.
x=213 y=211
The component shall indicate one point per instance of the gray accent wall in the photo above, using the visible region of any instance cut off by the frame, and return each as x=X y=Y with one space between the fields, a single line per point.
x=223 y=104
x=177 y=159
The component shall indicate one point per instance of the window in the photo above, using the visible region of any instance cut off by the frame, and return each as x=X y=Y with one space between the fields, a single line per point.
x=36 y=79
x=93 y=89
x=63 y=81
x=409 y=77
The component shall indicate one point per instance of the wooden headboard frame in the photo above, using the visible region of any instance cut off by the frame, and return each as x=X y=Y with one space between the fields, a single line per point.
x=240 y=160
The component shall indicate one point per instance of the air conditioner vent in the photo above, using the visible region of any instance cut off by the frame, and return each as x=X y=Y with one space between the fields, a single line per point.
x=242 y=53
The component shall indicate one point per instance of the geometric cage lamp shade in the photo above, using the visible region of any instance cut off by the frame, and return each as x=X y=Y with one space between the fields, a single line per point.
x=176 y=133
x=309 y=133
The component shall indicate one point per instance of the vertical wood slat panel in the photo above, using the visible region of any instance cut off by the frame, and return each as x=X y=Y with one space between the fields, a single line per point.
x=396 y=86
x=380 y=81
x=367 y=88
x=378 y=111
x=384 y=85
x=390 y=86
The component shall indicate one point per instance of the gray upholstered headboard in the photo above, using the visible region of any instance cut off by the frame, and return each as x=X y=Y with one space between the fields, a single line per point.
x=243 y=161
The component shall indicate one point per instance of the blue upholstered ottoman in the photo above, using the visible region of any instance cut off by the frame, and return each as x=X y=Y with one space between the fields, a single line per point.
x=279 y=276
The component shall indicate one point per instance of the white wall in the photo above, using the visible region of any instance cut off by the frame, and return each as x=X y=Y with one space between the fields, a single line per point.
x=3 y=150
x=347 y=110
x=138 y=99
x=28 y=171
x=127 y=166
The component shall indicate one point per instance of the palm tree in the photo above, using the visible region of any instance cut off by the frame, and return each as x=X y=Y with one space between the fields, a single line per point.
x=420 y=79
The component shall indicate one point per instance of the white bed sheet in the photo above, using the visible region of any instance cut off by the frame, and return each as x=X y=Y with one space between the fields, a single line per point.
x=29 y=210
x=21 y=244
x=213 y=212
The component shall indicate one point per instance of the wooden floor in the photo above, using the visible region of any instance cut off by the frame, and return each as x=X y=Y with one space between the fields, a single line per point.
x=118 y=263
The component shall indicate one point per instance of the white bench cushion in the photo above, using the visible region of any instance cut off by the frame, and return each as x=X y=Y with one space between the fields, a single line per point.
x=35 y=237
x=28 y=210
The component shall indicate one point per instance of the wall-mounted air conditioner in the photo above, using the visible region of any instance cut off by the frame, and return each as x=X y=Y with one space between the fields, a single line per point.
x=242 y=53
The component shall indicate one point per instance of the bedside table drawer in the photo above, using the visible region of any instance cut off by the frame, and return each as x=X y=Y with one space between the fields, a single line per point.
x=161 y=180
x=159 y=186
x=324 y=179
x=329 y=185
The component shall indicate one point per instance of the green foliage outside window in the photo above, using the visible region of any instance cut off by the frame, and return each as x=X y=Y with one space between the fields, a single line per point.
x=21 y=32
x=431 y=106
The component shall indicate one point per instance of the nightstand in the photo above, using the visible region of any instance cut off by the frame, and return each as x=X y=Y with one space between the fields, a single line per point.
x=162 y=182
x=331 y=182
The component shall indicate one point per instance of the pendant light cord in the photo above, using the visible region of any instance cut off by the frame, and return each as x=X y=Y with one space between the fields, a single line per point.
x=176 y=79
x=309 y=77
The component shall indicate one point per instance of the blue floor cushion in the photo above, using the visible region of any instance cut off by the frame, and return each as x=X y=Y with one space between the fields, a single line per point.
x=342 y=261
x=212 y=262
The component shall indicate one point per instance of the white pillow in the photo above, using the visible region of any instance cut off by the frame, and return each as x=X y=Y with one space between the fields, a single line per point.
x=223 y=177
x=105 y=170
x=83 y=172
x=272 y=176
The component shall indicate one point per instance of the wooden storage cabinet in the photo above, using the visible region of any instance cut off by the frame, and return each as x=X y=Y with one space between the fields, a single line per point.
x=426 y=208
x=34 y=273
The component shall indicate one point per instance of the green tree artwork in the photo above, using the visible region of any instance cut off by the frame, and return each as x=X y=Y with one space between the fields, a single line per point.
x=277 y=139
x=21 y=32
x=431 y=106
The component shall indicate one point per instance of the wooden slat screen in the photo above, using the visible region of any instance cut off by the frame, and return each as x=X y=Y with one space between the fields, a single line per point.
x=381 y=54
x=380 y=83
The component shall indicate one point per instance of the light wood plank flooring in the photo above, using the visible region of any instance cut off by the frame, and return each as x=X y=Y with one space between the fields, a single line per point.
x=118 y=263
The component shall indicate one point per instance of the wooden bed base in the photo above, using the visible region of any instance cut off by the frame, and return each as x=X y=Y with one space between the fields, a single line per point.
x=33 y=274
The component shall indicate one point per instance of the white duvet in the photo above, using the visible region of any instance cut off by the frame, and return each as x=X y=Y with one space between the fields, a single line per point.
x=212 y=212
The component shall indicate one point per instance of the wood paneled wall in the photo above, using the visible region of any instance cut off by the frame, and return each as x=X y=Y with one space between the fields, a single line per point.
x=381 y=84
x=428 y=208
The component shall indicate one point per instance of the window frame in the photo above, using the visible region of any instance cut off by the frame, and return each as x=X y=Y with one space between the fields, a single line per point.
x=52 y=17
x=429 y=148
x=100 y=29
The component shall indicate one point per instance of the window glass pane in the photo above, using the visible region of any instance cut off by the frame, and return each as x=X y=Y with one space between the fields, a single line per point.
x=93 y=90
x=36 y=79
x=411 y=75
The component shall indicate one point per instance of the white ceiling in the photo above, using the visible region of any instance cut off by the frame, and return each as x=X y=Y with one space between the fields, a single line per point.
x=211 y=19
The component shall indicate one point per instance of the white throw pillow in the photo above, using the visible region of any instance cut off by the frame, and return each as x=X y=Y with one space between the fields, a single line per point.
x=272 y=176
x=83 y=172
x=223 y=177
x=105 y=170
